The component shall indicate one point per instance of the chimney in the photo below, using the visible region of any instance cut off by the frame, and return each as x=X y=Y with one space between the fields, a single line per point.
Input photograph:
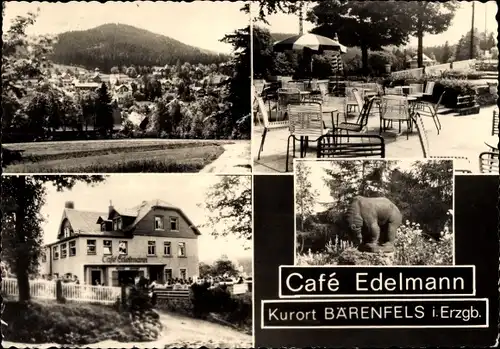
x=69 y=204
x=110 y=207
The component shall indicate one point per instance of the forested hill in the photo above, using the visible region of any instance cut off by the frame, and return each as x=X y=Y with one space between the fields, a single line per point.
x=112 y=45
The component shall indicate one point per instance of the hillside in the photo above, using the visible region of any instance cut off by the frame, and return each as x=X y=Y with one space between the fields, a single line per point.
x=122 y=45
x=281 y=36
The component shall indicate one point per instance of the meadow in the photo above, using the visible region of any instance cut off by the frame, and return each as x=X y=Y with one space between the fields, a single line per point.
x=108 y=156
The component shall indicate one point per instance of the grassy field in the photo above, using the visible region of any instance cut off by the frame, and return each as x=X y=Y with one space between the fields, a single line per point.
x=143 y=155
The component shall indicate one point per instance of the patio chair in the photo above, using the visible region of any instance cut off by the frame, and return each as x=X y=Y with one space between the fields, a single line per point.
x=429 y=109
x=350 y=146
x=489 y=162
x=462 y=161
x=351 y=102
x=495 y=123
x=286 y=96
x=397 y=91
x=361 y=122
x=395 y=110
x=429 y=89
x=416 y=89
x=305 y=120
x=268 y=125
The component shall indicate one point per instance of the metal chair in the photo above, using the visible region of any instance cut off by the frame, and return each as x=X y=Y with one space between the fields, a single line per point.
x=361 y=122
x=489 y=162
x=268 y=125
x=429 y=109
x=350 y=146
x=351 y=103
x=463 y=162
x=495 y=123
x=395 y=109
x=429 y=89
x=286 y=96
x=305 y=120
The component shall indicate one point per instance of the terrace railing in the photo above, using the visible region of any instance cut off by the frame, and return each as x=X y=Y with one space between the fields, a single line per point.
x=469 y=64
x=91 y=294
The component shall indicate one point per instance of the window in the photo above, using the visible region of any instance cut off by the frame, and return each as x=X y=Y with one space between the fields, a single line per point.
x=168 y=275
x=44 y=257
x=55 y=252
x=158 y=223
x=167 y=248
x=108 y=247
x=67 y=231
x=151 y=248
x=174 y=223
x=183 y=274
x=72 y=248
x=117 y=224
x=103 y=226
x=182 y=249
x=91 y=247
x=122 y=247
x=64 y=250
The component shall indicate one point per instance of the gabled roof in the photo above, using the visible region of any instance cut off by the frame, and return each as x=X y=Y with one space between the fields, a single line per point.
x=83 y=221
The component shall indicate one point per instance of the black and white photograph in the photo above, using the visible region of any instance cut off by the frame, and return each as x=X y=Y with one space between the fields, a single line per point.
x=136 y=86
x=127 y=261
x=374 y=212
x=418 y=79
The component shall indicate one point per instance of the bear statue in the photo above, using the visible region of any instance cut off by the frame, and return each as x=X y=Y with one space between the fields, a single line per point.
x=373 y=223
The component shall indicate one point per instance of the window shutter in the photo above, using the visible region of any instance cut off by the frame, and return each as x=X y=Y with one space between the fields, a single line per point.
x=114 y=278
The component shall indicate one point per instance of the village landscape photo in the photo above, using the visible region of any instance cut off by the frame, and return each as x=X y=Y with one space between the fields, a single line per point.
x=125 y=87
x=109 y=262
x=395 y=79
x=374 y=212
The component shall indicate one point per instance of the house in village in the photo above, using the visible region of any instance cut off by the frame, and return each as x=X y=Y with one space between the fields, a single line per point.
x=120 y=92
x=426 y=61
x=154 y=239
x=86 y=86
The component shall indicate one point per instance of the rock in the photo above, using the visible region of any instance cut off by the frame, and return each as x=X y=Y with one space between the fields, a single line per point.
x=352 y=256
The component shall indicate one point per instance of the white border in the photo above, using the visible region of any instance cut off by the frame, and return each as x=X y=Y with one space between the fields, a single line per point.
x=296 y=160
x=372 y=295
x=486 y=300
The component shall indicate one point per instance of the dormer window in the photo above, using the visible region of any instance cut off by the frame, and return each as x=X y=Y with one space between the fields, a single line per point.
x=158 y=223
x=174 y=223
x=117 y=224
x=103 y=226
x=66 y=232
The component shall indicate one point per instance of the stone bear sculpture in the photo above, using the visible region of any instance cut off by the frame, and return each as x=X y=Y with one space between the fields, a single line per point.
x=373 y=222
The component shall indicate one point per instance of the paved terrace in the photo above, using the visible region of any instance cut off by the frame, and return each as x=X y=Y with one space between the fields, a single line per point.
x=459 y=136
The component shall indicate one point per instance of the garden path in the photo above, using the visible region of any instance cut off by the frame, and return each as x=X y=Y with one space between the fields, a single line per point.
x=236 y=159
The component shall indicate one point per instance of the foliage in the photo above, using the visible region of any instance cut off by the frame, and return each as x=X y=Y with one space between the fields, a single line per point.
x=103 y=109
x=305 y=195
x=462 y=51
x=22 y=199
x=69 y=324
x=224 y=266
x=369 y=25
x=112 y=45
x=229 y=202
x=138 y=299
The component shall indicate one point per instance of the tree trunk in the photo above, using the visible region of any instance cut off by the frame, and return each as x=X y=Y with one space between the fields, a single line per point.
x=364 y=59
x=420 y=49
x=21 y=261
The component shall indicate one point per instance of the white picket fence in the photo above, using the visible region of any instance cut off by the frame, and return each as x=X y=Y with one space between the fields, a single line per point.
x=44 y=289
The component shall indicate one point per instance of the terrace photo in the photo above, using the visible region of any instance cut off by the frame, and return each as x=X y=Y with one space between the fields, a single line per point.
x=109 y=262
x=336 y=79
x=125 y=87
x=374 y=212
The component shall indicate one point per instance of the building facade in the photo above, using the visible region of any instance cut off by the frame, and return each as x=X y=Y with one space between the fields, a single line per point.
x=154 y=239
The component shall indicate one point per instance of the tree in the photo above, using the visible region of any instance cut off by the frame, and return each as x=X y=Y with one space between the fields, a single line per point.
x=87 y=102
x=270 y=7
x=22 y=199
x=446 y=56
x=229 y=203
x=205 y=270
x=462 y=51
x=115 y=70
x=224 y=266
x=104 y=110
x=369 y=25
x=305 y=195
x=430 y=17
x=131 y=72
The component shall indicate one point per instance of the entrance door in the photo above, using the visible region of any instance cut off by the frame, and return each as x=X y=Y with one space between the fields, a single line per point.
x=127 y=277
x=95 y=277
x=156 y=273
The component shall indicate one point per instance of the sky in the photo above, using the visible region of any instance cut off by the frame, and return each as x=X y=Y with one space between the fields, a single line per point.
x=484 y=18
x=182 y=190
x=200 y=23
x=318 y=183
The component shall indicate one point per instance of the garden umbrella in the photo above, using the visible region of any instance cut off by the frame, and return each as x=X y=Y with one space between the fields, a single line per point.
x=309 y=42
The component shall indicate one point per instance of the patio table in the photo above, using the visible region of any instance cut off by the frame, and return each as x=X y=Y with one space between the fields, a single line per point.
x=331 y=111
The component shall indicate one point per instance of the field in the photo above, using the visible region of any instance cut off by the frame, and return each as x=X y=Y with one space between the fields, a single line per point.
x=143 y=155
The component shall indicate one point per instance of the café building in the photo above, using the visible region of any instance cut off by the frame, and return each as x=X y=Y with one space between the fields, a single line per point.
x=153 y=239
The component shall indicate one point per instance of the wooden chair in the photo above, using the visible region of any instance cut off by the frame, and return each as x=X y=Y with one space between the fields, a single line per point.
x=395 y=110
x=489 y=162
x=361 y=122
x=350 y=146
x=268 y=125
x=305 y=120
x=429 y=109
x=462 y=161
